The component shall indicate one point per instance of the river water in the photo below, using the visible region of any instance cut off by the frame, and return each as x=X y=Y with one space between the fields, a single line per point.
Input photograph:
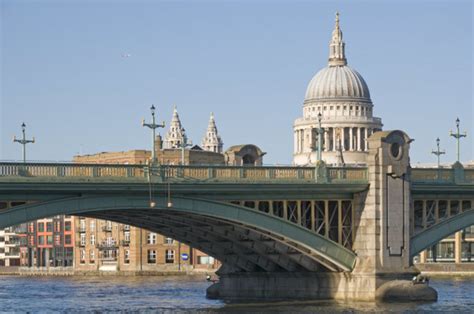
x=184 y=294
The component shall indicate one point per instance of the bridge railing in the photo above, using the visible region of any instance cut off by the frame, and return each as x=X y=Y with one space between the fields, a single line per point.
x=454 y=175
x=69 y=170
x=219 y=173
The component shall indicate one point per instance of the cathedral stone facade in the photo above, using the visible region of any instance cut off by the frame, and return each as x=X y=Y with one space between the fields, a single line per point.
x=338 y=100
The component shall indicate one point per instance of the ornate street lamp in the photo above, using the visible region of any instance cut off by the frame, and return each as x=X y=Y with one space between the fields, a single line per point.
x=23 y=141
x=183 y=144
x=320 y=132
x=458 y=136
x=153 y=126
x=438 y=152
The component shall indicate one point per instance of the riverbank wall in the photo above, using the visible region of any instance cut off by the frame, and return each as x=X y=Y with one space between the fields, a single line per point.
x=446 y=269
x=69 y=271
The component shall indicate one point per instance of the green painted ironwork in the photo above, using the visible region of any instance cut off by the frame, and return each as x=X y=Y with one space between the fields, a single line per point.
x=439 y=231
x=327 y=250
x=177 y=173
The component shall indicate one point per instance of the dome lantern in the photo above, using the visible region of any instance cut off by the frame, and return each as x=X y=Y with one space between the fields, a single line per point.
x=337 y=56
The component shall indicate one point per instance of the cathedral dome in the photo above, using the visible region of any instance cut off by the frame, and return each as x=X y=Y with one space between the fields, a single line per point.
x=338 y=82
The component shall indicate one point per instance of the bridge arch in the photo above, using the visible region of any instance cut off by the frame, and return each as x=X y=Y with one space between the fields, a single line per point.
x=245 y=239
x=439 y=231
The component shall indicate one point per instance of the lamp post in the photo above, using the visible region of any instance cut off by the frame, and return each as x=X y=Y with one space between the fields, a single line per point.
x=458 y=136
x=153 y=126
x=320 y=132
x=23 y=141
x=438 y=152
x=184 y=143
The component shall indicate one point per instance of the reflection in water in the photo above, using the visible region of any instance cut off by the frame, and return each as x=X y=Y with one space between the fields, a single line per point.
x=110 y=293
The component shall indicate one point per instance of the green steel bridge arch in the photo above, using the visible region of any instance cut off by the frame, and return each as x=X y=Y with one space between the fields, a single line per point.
x=245 y=239
x=432 y=235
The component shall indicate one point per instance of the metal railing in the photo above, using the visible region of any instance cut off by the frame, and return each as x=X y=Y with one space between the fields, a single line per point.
x=178 y=173
x=107 y=245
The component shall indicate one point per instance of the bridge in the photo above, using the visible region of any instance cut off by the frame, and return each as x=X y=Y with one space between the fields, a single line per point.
x=280 y=232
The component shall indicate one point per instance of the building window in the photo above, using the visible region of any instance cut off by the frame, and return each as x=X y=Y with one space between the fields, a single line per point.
x=83 y=239
x=67 y=226
x=205 y=260
x=40 y=227
x=92 y=256
x=169 y=257
x=41 y=240
x=126 y=236
x=57 y=226
x=169 y=241
x=67 y=239
x=83 y=256
x=126 y=257
x=92 y=239
x=49 y=239
x=151 y=239
x=151 y=257
x=49 y=227
x=82 y=225
x=92 y=225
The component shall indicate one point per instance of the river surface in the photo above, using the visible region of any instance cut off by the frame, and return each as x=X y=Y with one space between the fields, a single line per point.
x=183 y=294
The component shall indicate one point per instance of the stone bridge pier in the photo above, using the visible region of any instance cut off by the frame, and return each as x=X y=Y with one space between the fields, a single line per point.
x=381 y=241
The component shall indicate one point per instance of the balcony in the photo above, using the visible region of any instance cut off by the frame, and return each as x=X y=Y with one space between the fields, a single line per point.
x=107 y=245
x=125 y=242
x=125 y=228
x=12 y=243
x=82 y=229
x=107 y=228
x=80 y=244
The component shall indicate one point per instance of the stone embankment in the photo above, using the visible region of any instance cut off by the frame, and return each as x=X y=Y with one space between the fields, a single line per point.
x=69 y=271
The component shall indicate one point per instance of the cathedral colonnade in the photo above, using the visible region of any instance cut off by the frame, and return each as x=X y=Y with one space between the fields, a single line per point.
x=352 y=138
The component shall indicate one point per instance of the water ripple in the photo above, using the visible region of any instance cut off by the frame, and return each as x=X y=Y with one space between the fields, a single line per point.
x=183 y=295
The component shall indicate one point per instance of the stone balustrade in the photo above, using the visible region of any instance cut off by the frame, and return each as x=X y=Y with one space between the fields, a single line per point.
x=176 y=173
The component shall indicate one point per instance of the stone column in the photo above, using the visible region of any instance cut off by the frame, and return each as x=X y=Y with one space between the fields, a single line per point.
x=334 y=139
x=351 y=141
x=457 y=247
x=365 y=139
x=359 y=139
x=382 y=214
x=326 y=139
x=343 y=138
x=301 y=140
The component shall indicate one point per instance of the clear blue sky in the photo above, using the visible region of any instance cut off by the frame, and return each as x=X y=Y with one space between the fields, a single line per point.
x=247 y=61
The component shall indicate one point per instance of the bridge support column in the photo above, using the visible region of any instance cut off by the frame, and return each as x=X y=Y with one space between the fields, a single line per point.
x=317 y=285
x=382 y=223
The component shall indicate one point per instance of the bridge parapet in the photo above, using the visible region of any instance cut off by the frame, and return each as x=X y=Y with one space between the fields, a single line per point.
x=178 y=173
x=455 y=175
